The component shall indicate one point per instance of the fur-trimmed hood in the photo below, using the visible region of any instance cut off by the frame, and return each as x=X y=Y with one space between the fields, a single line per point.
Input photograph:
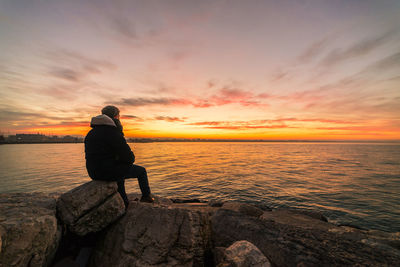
x=102 y=120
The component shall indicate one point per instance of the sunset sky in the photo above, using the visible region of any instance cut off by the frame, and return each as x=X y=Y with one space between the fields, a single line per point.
x=318 y=70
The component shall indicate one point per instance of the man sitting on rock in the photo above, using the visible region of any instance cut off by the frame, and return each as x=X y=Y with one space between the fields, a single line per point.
x=109 y=157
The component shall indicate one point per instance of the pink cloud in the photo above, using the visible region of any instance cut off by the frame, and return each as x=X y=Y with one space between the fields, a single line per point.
x=228 y=95
x=169 y=119
x=207 y=123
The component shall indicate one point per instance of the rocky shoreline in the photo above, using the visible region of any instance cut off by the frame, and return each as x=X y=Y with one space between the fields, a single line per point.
x=89 y=226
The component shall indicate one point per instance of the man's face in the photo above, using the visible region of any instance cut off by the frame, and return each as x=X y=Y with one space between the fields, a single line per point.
x=116 y=117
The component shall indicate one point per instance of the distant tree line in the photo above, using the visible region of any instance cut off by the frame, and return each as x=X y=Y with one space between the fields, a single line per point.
x=38 y=138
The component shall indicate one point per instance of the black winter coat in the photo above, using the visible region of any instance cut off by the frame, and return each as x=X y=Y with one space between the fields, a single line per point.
x=107 y=154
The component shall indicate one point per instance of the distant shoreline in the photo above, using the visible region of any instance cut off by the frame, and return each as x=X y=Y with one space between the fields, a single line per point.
x=45 y=139
x=215 y=141
x=14 y=143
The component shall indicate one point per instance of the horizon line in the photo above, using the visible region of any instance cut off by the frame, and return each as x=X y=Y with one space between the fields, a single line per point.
x=211 y=139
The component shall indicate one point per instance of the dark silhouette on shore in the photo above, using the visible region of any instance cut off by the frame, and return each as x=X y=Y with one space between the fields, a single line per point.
x=109 y=157
x=38 y=139
x=45 y=139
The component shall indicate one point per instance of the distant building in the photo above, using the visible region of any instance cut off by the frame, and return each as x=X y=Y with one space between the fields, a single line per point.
x=11 y=139
x=40 y=138
x=70 y=139
x=30 y=138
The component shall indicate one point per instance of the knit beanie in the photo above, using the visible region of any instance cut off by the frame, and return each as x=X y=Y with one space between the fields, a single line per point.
x=110 y=111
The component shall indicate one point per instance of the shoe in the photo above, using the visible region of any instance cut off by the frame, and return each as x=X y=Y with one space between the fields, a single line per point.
x=126 y=205
x=148 y=199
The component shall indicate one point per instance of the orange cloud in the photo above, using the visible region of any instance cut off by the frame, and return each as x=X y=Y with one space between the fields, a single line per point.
x=131 y=117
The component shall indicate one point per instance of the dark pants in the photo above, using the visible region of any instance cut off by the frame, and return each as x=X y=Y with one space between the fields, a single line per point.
x=135 y=171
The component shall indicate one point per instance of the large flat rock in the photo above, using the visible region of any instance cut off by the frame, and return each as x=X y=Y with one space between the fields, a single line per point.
x=155 y=235
x=289 y=238
x=90 y=207
x=29 y=234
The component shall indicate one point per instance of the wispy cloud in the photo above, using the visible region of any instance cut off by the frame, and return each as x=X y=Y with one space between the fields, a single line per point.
x=358 y=49
x=142 y=101
x=207 y=123
x=210 y=84
x=330 y=121
x=391 y=61
x=224 y=96
x=279 y=75
x=65 y=124
x=131 y=117
x=247 y=127
x=15 y=118
x=66 y=74
x=74 y=59
x=315 y=50
x=169 y=119
x=71 y=73
x=320 y=96
x=124 y=26
x=7 y=114
x=303 y=97
x=240 y=125
x=279 y=123
x=74 y=67
x=229 y=95
x=363 y=128
x=61 y=91
x=233 y=95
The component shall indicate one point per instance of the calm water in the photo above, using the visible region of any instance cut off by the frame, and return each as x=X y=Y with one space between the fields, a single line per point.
x=350 y=183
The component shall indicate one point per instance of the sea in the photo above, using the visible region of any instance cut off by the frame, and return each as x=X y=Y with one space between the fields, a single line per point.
x=355 y=184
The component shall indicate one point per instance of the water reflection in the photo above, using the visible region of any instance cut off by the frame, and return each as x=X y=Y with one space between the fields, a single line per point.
x=354 y=183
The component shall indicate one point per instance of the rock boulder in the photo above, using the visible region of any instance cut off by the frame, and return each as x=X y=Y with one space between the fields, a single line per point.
x=155 y=235
x=29 y=233
x=244 y=254
x=90 y=207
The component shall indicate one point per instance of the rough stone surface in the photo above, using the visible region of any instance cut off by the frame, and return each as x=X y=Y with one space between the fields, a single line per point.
x=244 y=254
x=155 y=235
x=218 y=255
x=100 y=217
x=180 y=234
x=293 y=239
x=90 y=207
x=29 y=233
x=78 y=201
x=307 y=213
x=157 y=200
x=215 y=203
x=243 y=208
